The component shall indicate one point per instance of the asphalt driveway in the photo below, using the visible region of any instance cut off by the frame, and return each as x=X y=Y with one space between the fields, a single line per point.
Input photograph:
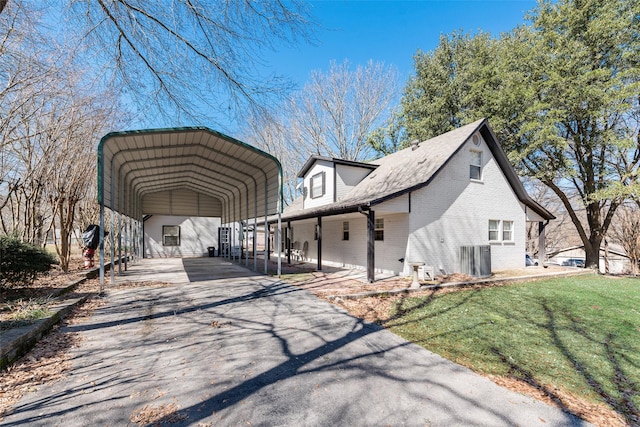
x=224 y=346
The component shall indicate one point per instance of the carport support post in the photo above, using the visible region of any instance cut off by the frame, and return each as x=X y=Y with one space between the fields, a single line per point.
x=101 y=247
x=112 y=270
x=542 y=253
x=268 y=254
x=319 y=232
x=279 y=244
x=371 y=246
x=287 y=241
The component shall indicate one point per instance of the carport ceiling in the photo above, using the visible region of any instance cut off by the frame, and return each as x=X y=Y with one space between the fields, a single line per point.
x=132 y=164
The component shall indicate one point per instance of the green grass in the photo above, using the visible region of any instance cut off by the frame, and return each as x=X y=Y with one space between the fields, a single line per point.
x=580 y=334
x=25 y=312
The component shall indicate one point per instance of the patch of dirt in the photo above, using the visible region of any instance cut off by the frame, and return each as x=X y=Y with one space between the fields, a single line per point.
x=455 y=277
x=594 y=413
x=372 y=309
x=150 y=415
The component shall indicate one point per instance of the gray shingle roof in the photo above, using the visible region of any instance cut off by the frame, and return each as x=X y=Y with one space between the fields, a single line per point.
x=412 y=168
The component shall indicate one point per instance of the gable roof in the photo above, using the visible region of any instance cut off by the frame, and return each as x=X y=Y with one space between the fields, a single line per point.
x=313 y=159
x=415 y=167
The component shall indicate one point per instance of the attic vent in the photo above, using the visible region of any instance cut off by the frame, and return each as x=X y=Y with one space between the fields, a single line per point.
x=414 y=144
x=476 y=139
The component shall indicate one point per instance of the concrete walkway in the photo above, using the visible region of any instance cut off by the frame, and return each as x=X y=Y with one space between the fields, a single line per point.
x=224 y=346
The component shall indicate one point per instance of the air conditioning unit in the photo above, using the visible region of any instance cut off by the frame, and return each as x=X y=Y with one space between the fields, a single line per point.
x=475 y=260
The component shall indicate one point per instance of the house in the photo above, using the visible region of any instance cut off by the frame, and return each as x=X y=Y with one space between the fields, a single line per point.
x=453 y=203
x=613 y=259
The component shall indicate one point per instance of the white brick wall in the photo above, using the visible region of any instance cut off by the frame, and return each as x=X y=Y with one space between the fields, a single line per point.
x=454 y=211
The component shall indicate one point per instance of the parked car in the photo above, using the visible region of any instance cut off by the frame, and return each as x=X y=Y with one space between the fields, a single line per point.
x=529 y=262
x=573 y=262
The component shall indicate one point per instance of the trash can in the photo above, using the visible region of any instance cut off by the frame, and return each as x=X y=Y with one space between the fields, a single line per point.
x=212 y=251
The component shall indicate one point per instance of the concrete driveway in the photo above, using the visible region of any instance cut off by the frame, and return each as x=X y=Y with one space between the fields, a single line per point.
x=224 y=346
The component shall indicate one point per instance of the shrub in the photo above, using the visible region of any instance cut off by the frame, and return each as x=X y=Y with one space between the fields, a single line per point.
x=21 y=262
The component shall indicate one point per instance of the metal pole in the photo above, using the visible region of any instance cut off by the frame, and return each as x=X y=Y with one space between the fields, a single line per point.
x=101 y=247
x=319 y=233
x=113 y=247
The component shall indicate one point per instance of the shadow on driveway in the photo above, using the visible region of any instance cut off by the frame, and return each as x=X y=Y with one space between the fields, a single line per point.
x=240 y=348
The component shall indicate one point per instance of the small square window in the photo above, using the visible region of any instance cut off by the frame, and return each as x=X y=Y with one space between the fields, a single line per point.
x=170 y=235
x=379 y=229
x=507 y=231
x=494 y=230
x=475 y=167
x=345 y=230
x=317 y=185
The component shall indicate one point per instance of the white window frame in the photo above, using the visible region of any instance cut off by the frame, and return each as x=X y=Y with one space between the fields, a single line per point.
x=501 y=230
x=317 y=185
x=507 y=232
x=495 y=230
x=170 y=235
x=378 y=229
x=475 y=165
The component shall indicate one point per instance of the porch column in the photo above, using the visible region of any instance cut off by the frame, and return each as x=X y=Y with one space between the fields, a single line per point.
x=267 y=232
x=371 y=246
x=541 y=243
x=319 y=230
x=287 y=240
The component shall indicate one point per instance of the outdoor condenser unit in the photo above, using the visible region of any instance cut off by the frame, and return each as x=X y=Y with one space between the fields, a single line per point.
x=475 y=260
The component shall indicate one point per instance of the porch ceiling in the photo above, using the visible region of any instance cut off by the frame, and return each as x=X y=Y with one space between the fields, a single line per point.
x=132 y=164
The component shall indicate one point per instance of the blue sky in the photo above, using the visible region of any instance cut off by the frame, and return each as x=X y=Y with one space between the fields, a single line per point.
x=391 y=31
x=380 y=30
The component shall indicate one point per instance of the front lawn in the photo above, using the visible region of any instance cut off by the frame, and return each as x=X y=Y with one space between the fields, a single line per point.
x=576 y=336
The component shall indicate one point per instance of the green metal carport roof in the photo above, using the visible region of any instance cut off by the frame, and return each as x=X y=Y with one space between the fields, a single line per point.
x=132 y=164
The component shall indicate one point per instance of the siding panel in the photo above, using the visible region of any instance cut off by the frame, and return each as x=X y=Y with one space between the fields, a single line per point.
x=196 y=234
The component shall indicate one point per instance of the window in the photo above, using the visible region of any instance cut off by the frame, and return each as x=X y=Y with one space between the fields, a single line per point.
x=475 y=168
x=494 y=230
x=170 y=235
x=317 y=185
x=507 y=231
x=500 y=231
x=345 y=230
x=379 y=229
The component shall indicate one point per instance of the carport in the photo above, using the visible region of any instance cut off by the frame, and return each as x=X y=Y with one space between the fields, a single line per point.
x=244 y=182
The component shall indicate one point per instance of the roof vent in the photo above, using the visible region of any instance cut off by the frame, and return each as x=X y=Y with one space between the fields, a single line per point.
x=414 y=144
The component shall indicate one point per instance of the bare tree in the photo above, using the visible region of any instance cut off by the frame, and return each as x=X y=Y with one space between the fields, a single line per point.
x=51 y=117
x=170 y=56
x=336 y=110
x=332 y=115
x=271 y=135
x=25 y=70
x=625 y=229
